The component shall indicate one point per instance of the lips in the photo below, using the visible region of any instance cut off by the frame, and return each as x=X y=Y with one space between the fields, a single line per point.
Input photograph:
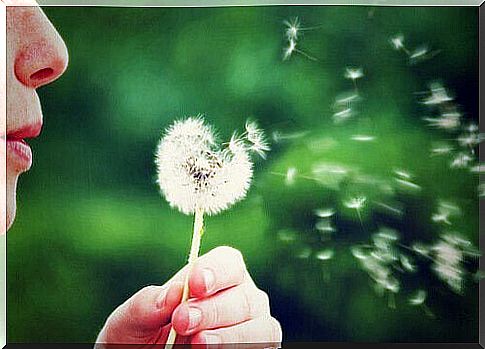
x=19 y=154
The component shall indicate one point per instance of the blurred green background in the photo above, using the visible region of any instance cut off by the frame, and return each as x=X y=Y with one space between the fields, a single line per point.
x=92 y=229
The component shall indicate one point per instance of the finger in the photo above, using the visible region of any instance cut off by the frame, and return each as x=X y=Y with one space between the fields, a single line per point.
x=147 y=310
x=226 y=308
x=219 y=269
x=265 y=330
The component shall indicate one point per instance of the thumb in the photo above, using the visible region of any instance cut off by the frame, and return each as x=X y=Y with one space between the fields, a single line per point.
x=145 y=312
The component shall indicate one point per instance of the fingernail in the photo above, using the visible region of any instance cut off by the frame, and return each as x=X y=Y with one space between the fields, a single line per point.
x=195 y=315
x=209 y=279
x=211 y=339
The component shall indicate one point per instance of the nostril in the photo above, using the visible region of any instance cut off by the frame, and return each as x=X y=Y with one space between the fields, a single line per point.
x=42 y=74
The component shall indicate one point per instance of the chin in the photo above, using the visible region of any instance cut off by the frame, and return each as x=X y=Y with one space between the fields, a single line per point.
x=11 y=196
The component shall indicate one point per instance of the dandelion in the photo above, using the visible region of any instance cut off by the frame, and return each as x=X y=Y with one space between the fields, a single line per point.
x=198 y=177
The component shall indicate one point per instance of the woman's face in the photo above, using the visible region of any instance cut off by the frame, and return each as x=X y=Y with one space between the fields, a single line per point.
x=36 y=55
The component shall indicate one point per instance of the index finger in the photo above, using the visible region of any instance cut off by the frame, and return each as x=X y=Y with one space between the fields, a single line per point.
x=219 y=269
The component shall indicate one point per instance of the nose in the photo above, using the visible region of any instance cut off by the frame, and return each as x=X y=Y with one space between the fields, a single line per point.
x=44 y=56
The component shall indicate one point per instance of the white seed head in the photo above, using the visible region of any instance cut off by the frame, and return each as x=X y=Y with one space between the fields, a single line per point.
x=292 y=28
x=195 y=173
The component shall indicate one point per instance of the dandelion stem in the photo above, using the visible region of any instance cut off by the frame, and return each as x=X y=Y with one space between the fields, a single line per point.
x=306 y=55
x=194 y=253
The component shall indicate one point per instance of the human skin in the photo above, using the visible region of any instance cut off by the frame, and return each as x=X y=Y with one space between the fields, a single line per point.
x=225 y=304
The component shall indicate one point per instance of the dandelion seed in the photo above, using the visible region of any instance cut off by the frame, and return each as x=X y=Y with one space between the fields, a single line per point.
x=418 y=298
x=441 y=149
x=406 y=263
x=292 y=28
x=347 y=99
x=290 y=175
x=420 y=249
x=478 y=168
x=478 y=275
x=278 y=136
x=394 y=209
x=448 y=120
x=471 y=128
x=325 y=226
x=325 y=255
x=461 y=160
x=407 y=184
x=343 y=115
x=362 y=138
x=256 y=138
x=419 y=53
x=356 y=203
x=398 y=42
x=286 y=235
x=357 y=252
x=324 y=212
x=444 y=211
x=403 y=173
x=288 y=51
x=469 y=140
x=438 y=95
x=354 y=73
x=304 y=253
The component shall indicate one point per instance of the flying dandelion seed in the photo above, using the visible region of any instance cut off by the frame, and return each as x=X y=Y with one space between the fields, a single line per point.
x=478 y=168
x=304 y=253
x=356 y=203
x=198 y=177
x=354 y=73
x=279 y=137
x=461 y=160
x=438 y=95
x=324 y=212
x=325 y=226
x=255 y=136
x=408 y=185
x=403 y=173
x=286 y=235
x=406 y=263
x=446 y=122
x=481 y=190
x=398 y=42
x=418 y=298
x=292 y=28
x=444 y=212
x=290 y=176
x=362 y=138
x=288 y=51
x=421 y=54
x=343 y=115
x=325 y=255
x=441 y=149
x=358 y=252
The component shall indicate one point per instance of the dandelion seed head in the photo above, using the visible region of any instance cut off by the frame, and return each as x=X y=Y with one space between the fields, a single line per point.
x=194 y=173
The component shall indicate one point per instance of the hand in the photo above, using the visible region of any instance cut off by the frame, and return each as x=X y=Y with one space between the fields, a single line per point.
x=225 y=306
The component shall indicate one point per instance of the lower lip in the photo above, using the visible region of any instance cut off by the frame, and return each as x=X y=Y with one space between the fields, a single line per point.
x=22 y=154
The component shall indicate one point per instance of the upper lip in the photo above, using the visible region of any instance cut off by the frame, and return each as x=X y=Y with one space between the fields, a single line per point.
x=27 y=131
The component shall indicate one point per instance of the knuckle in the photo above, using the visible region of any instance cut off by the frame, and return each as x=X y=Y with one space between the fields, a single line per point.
x=276 y=332
x=263 y=301
x=230 y=252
